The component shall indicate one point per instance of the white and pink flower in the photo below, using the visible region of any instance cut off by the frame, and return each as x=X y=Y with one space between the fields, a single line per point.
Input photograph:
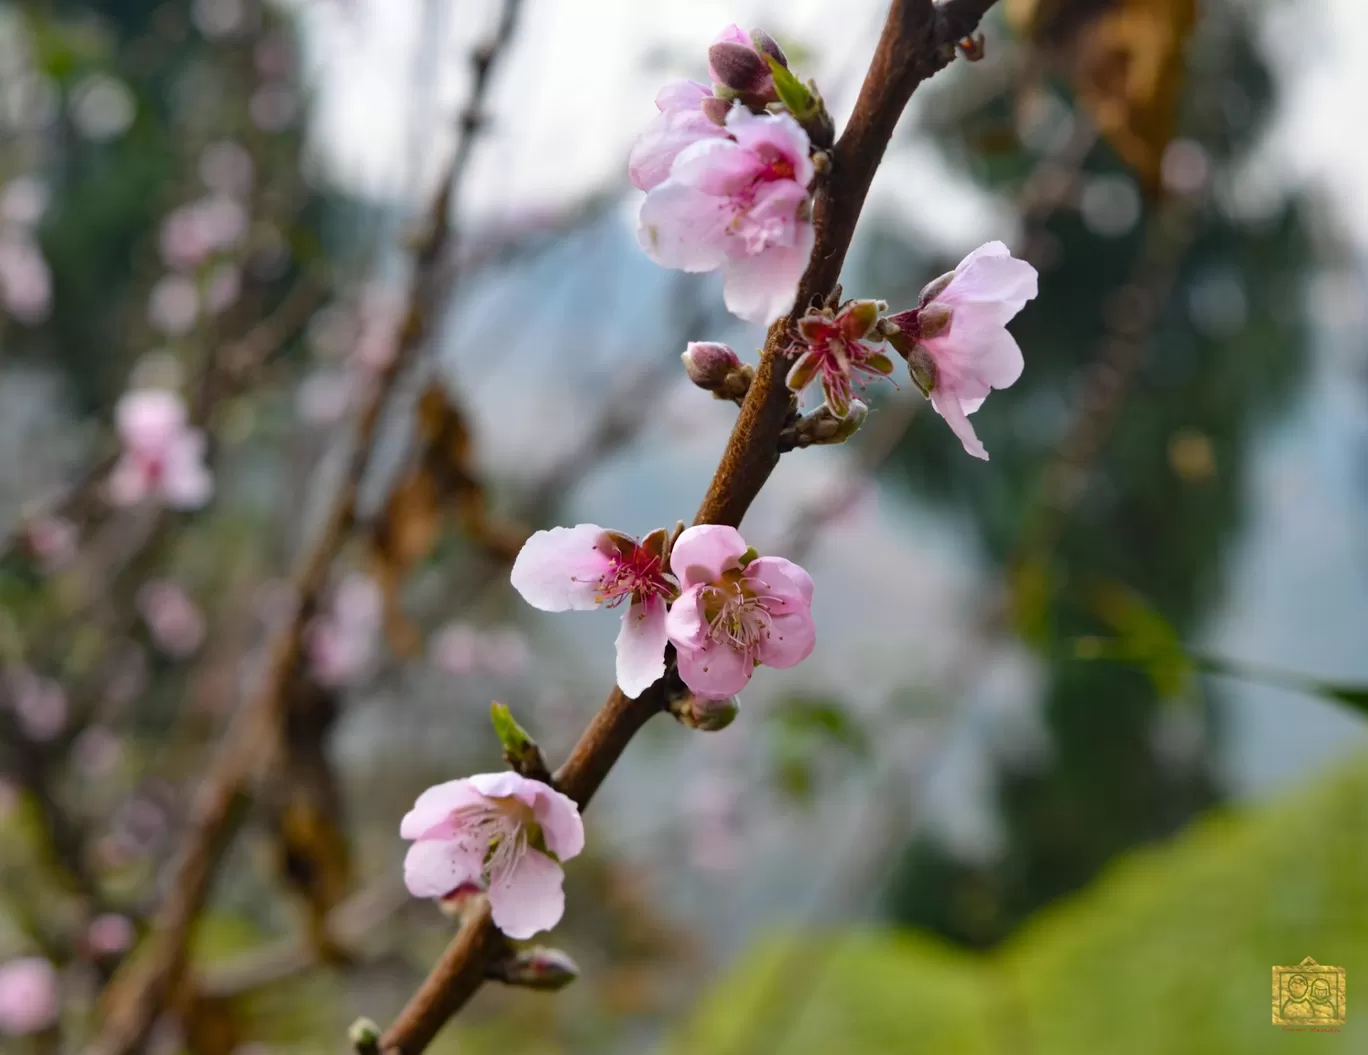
x=738 y=203
x=341 y=642
x=173 y=620
x=586 y=566
x=163 y=455
x=956 y=340
x=680 y=123
x=500 y=831
x=736 y=611
x=30 y=996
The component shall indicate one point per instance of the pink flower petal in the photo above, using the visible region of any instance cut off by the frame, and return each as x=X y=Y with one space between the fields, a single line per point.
x=733 y=34
x=430 y=817
x=703 y=552
x=436 y=867
x=128 y=482
x=663 y=140
x=781 y=578
x=791 y=640
x=641 y=647
x=718 y=167
x=559 y=570
x=947 y=405
x=507 y=785
x=529 y=897
x=560 y=822
x=682 y=94
x=980 y=350
x=30 y=996
x=992 y=280
x=684 y=624
x=772 y=137
x=762 y=288
x=683 y=228
x=149 y=418
x=186 y=482
x=714 y=671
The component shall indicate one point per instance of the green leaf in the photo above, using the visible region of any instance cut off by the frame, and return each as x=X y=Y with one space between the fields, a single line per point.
x=793 y=93
x=515 y=739
x=1170 y=951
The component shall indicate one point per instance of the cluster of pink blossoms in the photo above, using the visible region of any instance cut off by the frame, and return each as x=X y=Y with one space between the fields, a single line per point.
x=163 y=454
x=726 y=173
x=726 y=183
x=725 y=610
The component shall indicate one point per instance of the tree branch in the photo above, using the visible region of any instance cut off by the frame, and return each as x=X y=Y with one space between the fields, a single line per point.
x=918 y=39
x=140 y=990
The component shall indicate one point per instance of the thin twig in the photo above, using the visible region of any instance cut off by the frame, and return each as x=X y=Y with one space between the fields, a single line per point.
x=918 y=39
x=142 y=989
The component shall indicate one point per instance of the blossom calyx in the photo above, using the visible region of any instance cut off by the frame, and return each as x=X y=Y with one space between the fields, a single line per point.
x=707 y=716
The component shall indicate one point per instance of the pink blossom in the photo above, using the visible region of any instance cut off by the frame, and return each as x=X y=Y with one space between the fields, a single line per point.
x=227 y=167
x=23 y=200
x=737 y=204
x=25 y=279
x=956 y=341
x=40 y=705
x=176 y=625
x=833 y=349
x=680 y=123
x=341 y=644
x=173 y=305
x=736 y=611
x=586 y=566
x=222 y=288
x=737 y=64
x=498 y=829
x=30 y=999
x=465 y=650
x=184 y=239
x=163 y=456
x=110 y=934
x=51 y=541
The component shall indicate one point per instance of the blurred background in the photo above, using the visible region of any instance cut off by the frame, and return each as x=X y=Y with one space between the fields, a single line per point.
x=1080 y=753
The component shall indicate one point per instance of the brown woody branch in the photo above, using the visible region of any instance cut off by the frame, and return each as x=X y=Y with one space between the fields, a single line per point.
x=139 y=992
x=918 y=39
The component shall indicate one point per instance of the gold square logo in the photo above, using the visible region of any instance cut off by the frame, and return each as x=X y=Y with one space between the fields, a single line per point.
x=1308 y=995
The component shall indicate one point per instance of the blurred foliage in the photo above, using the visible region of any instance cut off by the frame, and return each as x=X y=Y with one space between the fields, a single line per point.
x=1169 y=952
x=1183 y=333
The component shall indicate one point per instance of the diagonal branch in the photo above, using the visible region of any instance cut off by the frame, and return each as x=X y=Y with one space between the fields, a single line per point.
x=918 y=39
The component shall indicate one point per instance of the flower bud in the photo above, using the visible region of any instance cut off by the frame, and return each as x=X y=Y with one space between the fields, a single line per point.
x=934 y=289
x=767 y=45
x=537 y=968
x=740 y=68
x=716 y=368
x=708 y=716
x=364 y=1036
x=708 y=363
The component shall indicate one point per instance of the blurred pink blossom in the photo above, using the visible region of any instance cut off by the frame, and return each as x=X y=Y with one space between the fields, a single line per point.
x=227 y=167
x=586 y=566
x=176 y=625
x=40 y=704
x=173 y=305
x=324 y=396
x=737 y=204
x=23 y=200
x=464 y=650
x=713 y=808
x=51 y=541
x=956 y=340
x=481 y=830
x=30 y=996
x=222 y=288
x=342 y=642
x=110 y=934
x=25 y=279
x=163 y=456
x=184 y=239
x=736 y=611
x=97 y=751
x=273 y=107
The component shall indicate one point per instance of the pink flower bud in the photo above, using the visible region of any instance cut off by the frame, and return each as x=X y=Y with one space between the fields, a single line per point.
x=740 y=68
x=767 y=45
x=30 y=999
x=538 y=968
x=708 y=364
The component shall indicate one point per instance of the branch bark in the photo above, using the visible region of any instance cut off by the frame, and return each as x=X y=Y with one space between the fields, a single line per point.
x=143 y=987
x=918 y=39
